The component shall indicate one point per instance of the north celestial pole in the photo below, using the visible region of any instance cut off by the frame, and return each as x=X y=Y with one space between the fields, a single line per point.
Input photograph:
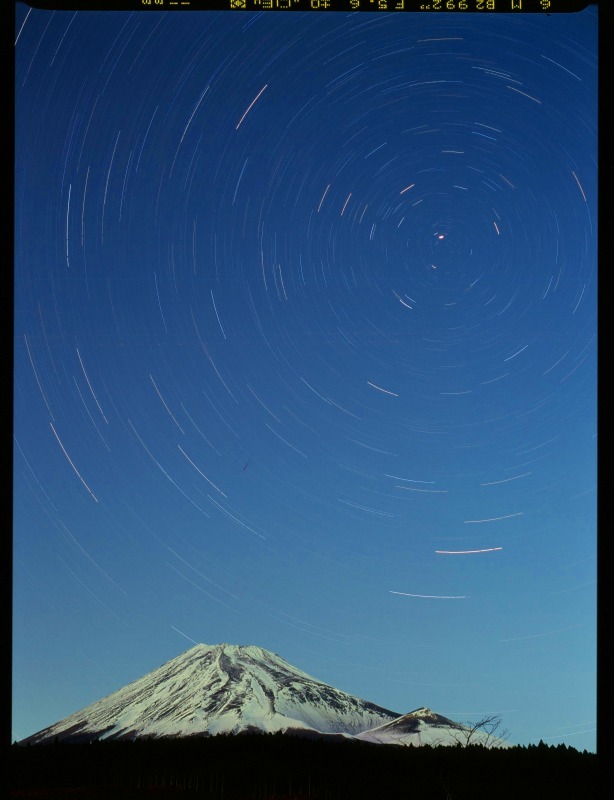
x=305 y=355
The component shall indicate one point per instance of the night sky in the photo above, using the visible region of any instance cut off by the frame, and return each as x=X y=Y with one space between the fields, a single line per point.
x=305 y=355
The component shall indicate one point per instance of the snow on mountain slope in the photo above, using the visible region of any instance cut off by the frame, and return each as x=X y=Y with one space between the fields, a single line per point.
x=423 y=726
x=213 y=689
x=418 y=727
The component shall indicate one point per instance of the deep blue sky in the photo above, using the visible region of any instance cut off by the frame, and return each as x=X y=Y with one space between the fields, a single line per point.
x=304 y=302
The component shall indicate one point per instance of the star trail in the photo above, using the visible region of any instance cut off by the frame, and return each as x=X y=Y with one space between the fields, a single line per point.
x=305 y=305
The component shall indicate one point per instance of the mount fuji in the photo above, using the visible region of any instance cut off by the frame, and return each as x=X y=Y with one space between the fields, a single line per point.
x=225 y=688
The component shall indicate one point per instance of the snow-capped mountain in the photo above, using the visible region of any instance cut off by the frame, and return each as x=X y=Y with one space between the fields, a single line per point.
x=224 y=688
x=420 y=727
x=212 y=689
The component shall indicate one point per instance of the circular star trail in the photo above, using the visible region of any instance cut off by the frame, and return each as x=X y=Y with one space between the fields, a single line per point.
x=305 y=355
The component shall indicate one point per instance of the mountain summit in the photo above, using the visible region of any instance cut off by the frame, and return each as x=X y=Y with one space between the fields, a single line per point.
x=225 y=688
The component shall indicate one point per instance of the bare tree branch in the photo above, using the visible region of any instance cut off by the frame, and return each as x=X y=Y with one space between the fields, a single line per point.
x=486 y=732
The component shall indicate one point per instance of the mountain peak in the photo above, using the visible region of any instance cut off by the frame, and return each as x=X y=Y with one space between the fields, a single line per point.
x=421 y=712
x=229 y=688
x=223 y=688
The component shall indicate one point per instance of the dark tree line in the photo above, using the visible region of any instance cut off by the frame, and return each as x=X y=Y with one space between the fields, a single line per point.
x=281 y=767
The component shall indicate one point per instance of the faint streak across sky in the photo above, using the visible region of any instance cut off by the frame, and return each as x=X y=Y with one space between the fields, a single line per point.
x=494 y=519
x=379 y=388
x=434 y=596
x=250 y=106
x=466 y=552
x=70 y=462
x=539 y=635
x=184 y=635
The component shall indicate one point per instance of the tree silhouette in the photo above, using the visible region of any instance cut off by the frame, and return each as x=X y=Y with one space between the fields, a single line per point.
x=486 y=732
